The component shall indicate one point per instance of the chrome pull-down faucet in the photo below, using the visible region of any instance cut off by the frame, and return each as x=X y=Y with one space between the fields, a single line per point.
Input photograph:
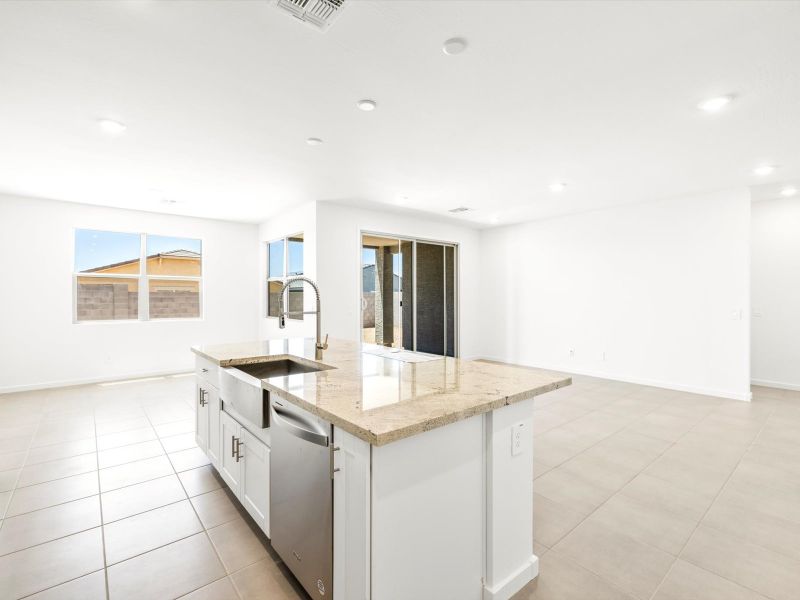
x=320 y=346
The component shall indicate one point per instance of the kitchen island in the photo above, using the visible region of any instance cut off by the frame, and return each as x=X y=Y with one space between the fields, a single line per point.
x=431 y=463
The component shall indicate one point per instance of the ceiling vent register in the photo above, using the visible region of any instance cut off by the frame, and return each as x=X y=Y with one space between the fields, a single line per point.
x=318 y=13
x=460 y=209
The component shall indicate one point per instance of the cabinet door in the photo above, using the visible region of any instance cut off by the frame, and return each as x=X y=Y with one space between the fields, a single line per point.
x=201 y=416
x=214 y=435
x=255 y=479
x=230 y=466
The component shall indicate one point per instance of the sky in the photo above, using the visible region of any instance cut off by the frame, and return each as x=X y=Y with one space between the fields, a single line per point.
x=99 y=248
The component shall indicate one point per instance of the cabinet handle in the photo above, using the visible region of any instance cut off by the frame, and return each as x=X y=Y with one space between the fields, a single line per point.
x=233 y=446
x=334 y=470
x=203 y=400
x=204 y=370
x=238 y=449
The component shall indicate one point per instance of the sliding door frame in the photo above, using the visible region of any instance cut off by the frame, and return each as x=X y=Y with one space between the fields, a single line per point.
x=456 y=287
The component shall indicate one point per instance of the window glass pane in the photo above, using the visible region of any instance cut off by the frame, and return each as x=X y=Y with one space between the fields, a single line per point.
x=107 y=298
x=296 y=255
x=107 y=252
x=273 y=294
x=174 y=299
x=173 y=256
x=275 y=259
x=295 y=295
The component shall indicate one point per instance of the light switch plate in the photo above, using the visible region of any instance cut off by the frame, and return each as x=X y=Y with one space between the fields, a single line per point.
x=517 y=431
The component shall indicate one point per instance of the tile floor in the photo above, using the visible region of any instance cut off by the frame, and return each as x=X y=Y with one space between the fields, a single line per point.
x=640 y=493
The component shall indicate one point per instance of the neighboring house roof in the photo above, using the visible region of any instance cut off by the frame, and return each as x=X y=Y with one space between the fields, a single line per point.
x=169 y=254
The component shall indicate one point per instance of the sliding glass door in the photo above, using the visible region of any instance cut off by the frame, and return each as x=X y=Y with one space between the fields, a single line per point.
x=409 y=294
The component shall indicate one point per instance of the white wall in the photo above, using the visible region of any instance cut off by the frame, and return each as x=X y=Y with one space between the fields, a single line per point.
x=302 y=219
x=655 y=293
x=776 y=293
x=339 y=230
x=40 y=345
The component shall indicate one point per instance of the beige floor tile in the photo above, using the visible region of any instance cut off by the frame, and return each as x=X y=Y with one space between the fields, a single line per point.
x=61 y=433
x=192 y=458
x=57 y=469
x=14 y=443
x=135 y=472
x=126 y=424
x=167 y=572
x=41 y=567
x=63 y=450
x=688 y=475
x=8 y=479
x=767 y=531
x=572 y=492
x=634 y=567
x=221 y=589
x=175 y=427
x=599 y=471
x=181 y=441
x=126 y=454
x=661 y=494
x=201 y=480
x=149 y=530
x=42 y=495
x=29 y=529
x=649 y=524
x=767 y=572
x=12 y=460
x=559 y=445
x=562 y=579
x=545 y=420
x=540 y=469
x=215 y=508
x=125 y=438
x=552 y=521
x=141 y=497
x=629 y=449
x=685 y=581
x=238 y=544
x=776 y=503
x=5 y=498
x=663 y=426
x=267 y=580
x=88 y=587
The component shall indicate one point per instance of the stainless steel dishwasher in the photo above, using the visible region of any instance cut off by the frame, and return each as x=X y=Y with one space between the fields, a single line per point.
x=301 y=495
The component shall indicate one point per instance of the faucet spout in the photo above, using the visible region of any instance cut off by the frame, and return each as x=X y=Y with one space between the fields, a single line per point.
x=320 y=345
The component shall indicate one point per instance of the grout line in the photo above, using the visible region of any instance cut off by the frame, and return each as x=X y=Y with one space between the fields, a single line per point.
x=62 y=583
x=102 y=521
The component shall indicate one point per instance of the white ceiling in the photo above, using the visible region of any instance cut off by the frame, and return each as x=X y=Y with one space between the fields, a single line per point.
x=219 y=98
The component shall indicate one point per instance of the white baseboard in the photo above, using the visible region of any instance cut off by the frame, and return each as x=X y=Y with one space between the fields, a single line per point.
x=514 y=582
x=31 y=387
x=744 y=396
x=783 y=385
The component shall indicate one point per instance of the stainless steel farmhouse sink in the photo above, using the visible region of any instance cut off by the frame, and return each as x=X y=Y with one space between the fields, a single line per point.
x=240 y=387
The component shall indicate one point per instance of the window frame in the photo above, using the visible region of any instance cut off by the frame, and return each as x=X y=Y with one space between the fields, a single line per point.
x=143 y=301
x=282 y=279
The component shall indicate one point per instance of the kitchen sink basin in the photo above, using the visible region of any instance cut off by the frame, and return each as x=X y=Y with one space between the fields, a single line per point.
x=240 y=387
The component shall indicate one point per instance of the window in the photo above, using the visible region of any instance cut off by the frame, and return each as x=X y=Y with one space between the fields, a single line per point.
x=132 y=276
x=284 y=260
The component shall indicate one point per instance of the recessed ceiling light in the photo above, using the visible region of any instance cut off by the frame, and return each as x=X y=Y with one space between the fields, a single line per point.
x=454 y=46
x=764 y=170
x=788 y=191
x=169 y=201
x=366 y=105
x=112 y=127
x=558 y=187
x=715 y=104
x=312 y=141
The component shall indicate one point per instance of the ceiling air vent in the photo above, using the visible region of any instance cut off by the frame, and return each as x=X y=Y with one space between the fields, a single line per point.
x=319 y=13
x=460 y=209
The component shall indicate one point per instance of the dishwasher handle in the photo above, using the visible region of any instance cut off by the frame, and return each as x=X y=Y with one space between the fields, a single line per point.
x=297 y=426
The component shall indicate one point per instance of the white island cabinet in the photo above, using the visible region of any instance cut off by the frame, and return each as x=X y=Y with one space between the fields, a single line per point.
x=432 y=465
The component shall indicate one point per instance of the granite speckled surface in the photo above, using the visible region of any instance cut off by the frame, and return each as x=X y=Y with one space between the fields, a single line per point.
x=380 y=399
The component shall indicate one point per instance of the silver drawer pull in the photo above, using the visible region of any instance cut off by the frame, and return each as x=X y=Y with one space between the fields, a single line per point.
x=238 y=449
x=204 y=370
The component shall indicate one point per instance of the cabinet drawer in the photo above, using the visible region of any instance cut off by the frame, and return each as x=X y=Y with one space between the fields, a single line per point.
x=207 y=370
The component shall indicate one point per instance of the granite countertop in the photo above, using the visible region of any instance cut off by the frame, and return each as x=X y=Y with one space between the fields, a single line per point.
x=381 y=399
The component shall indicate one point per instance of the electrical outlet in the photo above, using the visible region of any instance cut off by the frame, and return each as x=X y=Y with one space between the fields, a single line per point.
x=517 y=431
